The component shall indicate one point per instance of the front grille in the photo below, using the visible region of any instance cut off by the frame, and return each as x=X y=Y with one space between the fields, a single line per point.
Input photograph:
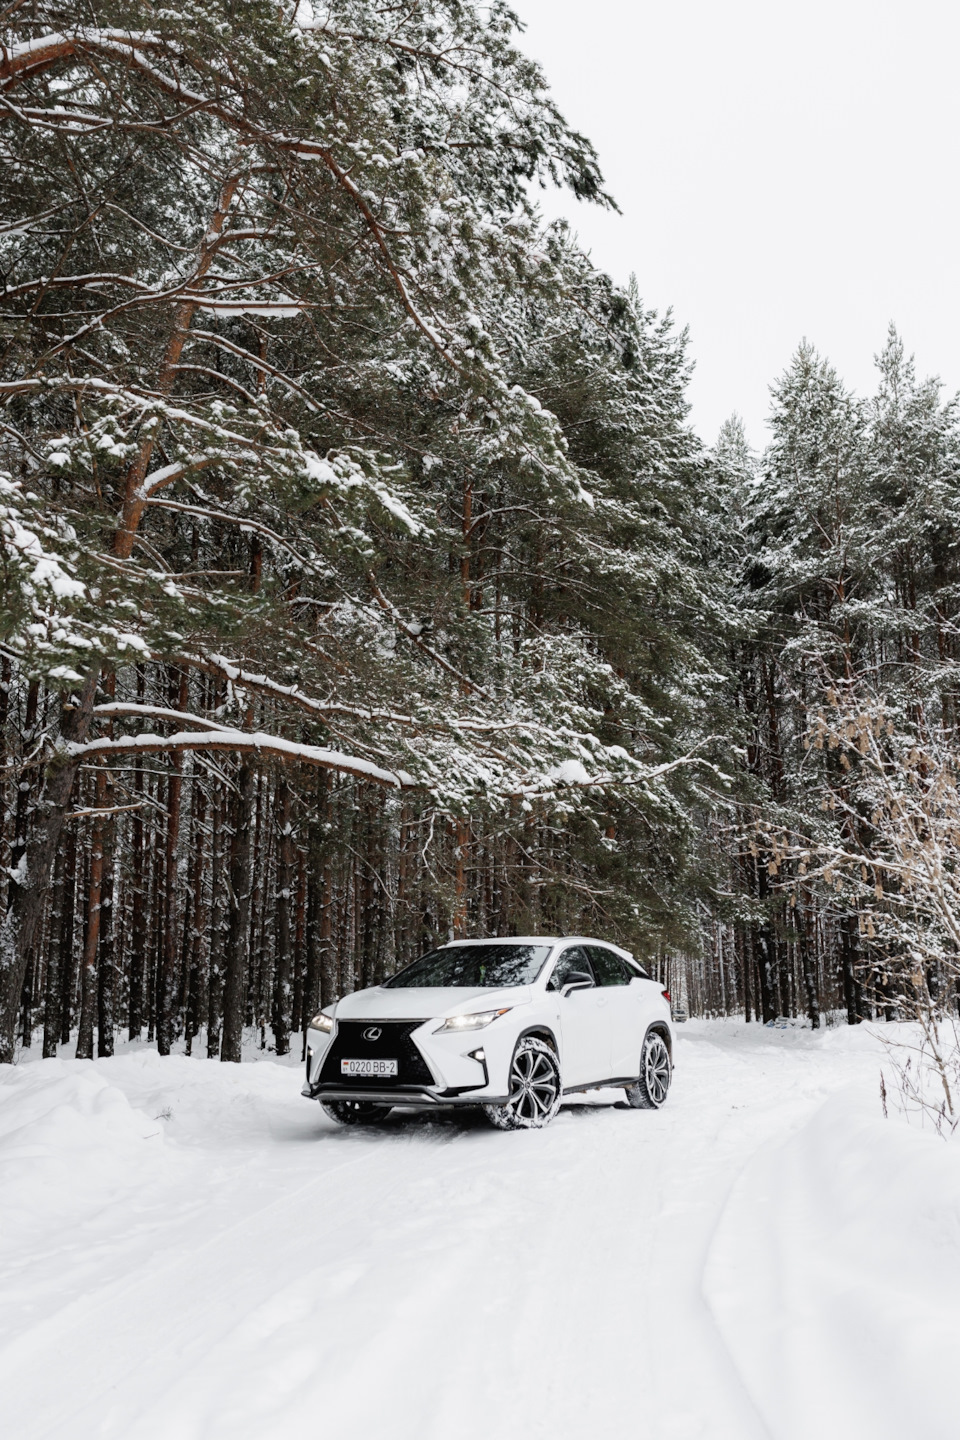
x=394 y=1043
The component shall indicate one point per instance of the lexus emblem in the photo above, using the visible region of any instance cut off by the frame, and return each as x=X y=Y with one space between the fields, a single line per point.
x=372 y=1032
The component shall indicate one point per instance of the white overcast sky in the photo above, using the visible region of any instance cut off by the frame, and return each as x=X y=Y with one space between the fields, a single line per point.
x=784 y=170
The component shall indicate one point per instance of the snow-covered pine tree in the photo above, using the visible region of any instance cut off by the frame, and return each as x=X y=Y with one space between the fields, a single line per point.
x=289 y=370
x=848 y=568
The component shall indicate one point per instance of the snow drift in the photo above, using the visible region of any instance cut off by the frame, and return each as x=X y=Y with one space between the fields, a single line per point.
x=835 y=1276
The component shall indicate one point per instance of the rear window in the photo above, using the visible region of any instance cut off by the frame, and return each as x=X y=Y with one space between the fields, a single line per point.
x=473 y=967
x=610 y=969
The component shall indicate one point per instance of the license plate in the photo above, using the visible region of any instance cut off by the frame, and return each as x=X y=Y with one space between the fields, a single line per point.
x=374 y=1068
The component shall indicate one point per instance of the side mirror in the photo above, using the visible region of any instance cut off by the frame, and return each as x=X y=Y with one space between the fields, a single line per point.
x=576 y=980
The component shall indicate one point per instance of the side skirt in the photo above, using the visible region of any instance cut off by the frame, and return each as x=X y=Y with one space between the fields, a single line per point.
x=617 y=1083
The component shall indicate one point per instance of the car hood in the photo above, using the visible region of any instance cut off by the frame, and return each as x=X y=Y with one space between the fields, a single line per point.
x=427 y=1003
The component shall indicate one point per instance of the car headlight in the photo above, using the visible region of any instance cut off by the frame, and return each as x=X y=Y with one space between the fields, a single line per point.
x=471 y=1022
x=322 y=1022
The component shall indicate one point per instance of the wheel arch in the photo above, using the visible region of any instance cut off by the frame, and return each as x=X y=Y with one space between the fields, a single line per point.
x=540 y=1032
x=658 y=1028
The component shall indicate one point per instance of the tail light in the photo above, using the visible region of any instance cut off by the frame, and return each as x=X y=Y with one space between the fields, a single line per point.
x=665 y=994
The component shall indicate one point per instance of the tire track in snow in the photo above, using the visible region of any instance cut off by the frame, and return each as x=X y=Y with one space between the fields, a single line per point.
x=445 y=1281
x=105 y=1342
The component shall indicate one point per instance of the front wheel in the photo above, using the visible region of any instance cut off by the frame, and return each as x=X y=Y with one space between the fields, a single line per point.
x=656 y=1071
x=535 y=1090
x=355 y=1112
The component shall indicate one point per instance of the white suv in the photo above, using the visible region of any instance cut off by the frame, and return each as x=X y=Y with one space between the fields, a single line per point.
x=509 y=1025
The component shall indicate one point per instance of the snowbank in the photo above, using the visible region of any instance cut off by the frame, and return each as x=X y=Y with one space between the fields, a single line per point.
x=834 y=1277
x=190 y=1251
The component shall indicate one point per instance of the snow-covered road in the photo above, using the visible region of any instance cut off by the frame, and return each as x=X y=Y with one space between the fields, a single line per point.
x=192 y=1250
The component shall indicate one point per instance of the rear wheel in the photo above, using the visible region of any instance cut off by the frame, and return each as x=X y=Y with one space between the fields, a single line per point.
x=535 y=1090
x=656 y=1072
x=355 y=1112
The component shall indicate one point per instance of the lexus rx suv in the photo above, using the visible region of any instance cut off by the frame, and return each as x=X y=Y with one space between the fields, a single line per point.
x=508 y=1025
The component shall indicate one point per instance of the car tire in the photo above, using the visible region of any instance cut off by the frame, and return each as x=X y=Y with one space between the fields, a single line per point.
x=656 y=1072
x=535 y=1088
x=355 y=1112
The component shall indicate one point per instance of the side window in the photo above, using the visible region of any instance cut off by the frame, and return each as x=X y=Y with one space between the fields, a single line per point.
x=570 y=960
x=609 y=968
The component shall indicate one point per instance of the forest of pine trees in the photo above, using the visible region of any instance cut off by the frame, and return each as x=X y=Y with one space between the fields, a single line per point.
x=364 y=585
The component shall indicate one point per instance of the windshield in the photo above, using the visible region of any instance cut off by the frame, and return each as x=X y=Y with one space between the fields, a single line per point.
x=474 y=966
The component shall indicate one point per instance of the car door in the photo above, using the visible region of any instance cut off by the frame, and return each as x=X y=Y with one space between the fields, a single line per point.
x=583 y=1022
x=647 y=996
x=621 y=1009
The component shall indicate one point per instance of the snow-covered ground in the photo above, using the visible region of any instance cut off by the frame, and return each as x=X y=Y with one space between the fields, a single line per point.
x=191 y=1251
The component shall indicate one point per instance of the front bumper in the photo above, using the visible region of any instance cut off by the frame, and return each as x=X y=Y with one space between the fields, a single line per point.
x=435 y=1070
x=417 y=1099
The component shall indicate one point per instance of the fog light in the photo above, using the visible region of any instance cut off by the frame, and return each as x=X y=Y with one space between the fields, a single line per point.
x=480 y=1055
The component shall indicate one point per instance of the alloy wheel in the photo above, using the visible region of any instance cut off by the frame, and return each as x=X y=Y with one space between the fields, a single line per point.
x=652 y=1085
x=535 y=1093
x=656 y=1069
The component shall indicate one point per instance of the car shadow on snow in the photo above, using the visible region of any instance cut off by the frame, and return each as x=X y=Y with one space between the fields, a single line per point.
x=436 y=1124
x=592 y=1107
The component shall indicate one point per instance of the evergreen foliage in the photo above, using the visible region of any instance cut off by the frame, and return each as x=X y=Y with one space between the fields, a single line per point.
x=363 y=583
x=849 y=567
x=326 y=458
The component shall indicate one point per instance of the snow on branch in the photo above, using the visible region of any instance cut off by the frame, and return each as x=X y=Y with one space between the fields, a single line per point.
x=573 y=774
x=243 y=742
x=78 y=282
x=21 y=61
x=243 y=522
x=118 y=708
x=157 y=479
x=291 y=694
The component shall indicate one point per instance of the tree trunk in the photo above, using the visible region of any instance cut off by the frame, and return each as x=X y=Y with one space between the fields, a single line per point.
x=401 y=918
x=283 y=991
x=135 y=497
x=67 y=975
x=328 y=988
x=312 y=984
x=26 y=1003
x=167 y=997
x=199 y=915
x=155 y=949
x=763 y=948
x=257 y=958
x=138 y=922
x=743 y=952
x=28 y=889
x=807 y=966
x=106 y=967
x=461 y=853
x=852 y=995
x=88 y=969
x=6 y=672
x=51 y=999
x=106 y=971
x=300 y=945
x=21 y=822
x=215 y=969
x=238 y=935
